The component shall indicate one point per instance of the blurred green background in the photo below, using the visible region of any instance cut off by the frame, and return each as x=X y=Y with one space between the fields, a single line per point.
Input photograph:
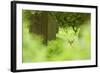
x=72 y=38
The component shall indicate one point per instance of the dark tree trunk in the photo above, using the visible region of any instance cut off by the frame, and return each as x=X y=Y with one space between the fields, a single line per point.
x=44 y=24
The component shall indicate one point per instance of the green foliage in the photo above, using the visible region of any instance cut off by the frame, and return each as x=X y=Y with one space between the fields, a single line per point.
x=63 y=19
x=66 y=46
x=69 y=19
x=56 y=50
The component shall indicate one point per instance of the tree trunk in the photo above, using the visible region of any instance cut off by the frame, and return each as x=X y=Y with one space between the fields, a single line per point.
x=44 y=24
